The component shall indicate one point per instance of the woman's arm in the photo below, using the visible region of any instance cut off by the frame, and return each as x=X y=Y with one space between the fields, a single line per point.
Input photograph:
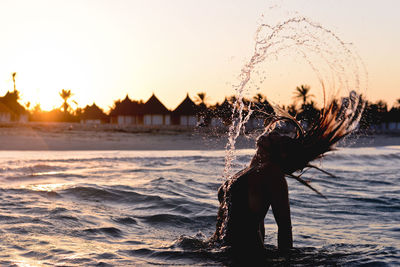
x=281 y=209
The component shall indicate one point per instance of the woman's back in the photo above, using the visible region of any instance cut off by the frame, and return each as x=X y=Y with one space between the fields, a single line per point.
x=237 y=225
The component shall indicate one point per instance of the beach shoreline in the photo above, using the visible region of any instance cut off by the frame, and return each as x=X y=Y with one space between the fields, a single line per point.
x=75 y=136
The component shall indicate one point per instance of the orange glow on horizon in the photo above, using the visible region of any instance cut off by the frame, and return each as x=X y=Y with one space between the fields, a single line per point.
x=102 y=51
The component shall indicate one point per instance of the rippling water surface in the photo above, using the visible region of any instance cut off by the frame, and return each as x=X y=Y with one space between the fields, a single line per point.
x=114 y=208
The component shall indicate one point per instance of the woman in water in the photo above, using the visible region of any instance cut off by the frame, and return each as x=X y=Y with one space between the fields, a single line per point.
x=246 y=197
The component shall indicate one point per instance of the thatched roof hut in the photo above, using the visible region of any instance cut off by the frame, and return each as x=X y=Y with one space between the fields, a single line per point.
x=186 y=107
x=127 y=107
x=93 y=112
x=4 y=109
x=154 y=106
x=10 y=104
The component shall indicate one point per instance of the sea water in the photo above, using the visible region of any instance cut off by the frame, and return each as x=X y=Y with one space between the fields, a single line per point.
x=130 y=208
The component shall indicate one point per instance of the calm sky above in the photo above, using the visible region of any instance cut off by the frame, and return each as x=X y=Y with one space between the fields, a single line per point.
x=105 y=49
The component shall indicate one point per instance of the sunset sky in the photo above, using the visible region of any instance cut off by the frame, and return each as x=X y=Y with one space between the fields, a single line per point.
x=104 y=49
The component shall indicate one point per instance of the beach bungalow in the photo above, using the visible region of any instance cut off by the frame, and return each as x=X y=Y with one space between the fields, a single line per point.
x=155 y=113
x=5 y=113
x=93 y=115
x=393 y=118
x=127 y=112
x=186 y=113
x=11 y=110
x=394 y=126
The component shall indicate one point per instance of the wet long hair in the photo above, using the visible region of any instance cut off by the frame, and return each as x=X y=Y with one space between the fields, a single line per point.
x=336 y=120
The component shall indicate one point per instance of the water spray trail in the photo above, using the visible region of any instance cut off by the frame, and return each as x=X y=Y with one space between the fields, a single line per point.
x=237 y=123
x=335 y=64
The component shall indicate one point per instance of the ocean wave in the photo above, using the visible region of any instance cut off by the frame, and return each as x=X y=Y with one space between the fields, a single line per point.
x=125 y=220
x=175 y=220
x=170 y=257
x=351 y=157
x=8 y=219
x=32 y=169
x=108 y=194
x=109 y=231
x=160 y=160
x=179 y=188
x=65 y=218
x=129 y=208
x=24 y=191
x=36 y=255
x=198 y=252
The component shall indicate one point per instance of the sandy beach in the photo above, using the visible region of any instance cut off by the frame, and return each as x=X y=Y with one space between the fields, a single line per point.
x=63 y=136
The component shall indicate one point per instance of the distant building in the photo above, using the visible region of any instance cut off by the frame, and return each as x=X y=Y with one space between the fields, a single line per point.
x=93 y=115
x=186 y=113
x=386 y=127
x=127 y=112
x=5 y=113
x=394 y=126
x=393 y=118
x=155 y=113
x=11 y=110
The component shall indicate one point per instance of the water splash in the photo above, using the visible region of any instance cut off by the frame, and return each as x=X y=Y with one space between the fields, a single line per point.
x=336 y=65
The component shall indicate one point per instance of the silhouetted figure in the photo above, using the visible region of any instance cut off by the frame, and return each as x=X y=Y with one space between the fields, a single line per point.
x=246 y=198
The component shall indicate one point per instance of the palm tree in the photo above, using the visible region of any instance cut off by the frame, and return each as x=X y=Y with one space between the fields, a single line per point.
x=258 y=98
x=201 y=99
x=203 y=112
x=13 y=77
x=381 y=106
x=232 y=99
x=303 y=92
x=291 y=109
x=261 y=104
x=13 y=96
x=65 y=95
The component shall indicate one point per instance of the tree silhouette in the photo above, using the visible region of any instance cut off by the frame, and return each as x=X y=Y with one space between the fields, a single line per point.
x=37 y=108
x=200 y=99
x=374 y=113
x=65 y=95
x=303 y=93
x=381 y=106
x=232 y=99
x=397 y=104
x=13 y=96
x=13 y=77
x=291 y=109
x=204 y=114
x=261 y=105
x=258 y=98
x=310 y=113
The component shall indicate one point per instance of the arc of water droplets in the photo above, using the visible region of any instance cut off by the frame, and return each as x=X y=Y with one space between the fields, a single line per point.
x=336 y=64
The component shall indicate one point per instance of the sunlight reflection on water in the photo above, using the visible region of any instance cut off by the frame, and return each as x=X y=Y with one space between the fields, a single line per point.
x=131 y=207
